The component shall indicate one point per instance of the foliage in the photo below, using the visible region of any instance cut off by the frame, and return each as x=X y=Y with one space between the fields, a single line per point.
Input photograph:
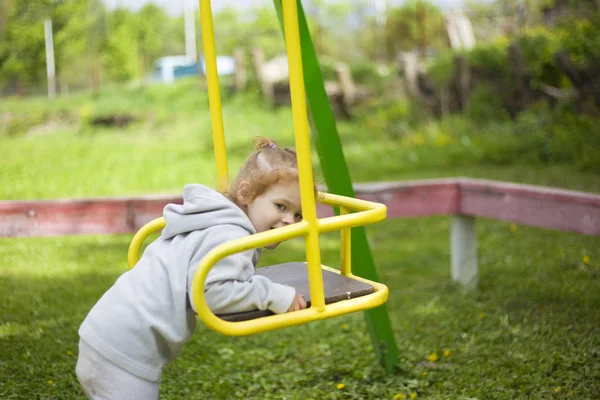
x=90 y=44
x=490 y=59
x=581 y=37
x=578 y=36
x=483 y=105
x=120 y=50
x=441 y=68
x=94 y=46
x=541 y=134
x=415 y=24
x=539 y=46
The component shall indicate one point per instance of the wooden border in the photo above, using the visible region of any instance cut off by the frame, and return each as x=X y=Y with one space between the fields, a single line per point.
x=563 y=210
x=544 y=207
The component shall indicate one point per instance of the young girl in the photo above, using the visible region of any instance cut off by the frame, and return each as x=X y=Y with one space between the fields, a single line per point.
x=143 y=320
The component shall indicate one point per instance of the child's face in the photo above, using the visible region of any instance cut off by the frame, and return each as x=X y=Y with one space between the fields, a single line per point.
x=278 y=206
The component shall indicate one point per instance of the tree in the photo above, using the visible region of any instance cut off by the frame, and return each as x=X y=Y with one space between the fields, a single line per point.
x=151 y=21
x=120 y=50
x=5 y=10
x=79 y=27
x=416 y=24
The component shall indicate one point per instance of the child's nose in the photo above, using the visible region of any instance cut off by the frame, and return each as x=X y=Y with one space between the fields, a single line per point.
x=288 y=219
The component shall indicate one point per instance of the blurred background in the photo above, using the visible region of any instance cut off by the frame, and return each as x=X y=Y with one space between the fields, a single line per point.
x=445 y=82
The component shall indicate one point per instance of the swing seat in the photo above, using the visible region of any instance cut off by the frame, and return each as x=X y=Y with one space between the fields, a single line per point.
x=339 y=292
x=337 y=287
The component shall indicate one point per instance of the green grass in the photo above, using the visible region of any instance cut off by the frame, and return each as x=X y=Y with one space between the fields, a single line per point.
x=530 y=331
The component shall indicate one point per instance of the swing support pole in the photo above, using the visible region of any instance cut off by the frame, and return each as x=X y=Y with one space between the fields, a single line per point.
x=214 y=97
x=337 y=178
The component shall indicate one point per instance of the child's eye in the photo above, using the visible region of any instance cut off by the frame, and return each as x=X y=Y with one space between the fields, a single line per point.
x=280 y=207
x=298 y=217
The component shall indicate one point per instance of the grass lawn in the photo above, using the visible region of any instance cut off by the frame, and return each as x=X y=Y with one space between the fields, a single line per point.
x=530 y=331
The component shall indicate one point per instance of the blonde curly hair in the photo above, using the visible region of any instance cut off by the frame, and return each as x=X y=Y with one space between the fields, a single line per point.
x=268 y=164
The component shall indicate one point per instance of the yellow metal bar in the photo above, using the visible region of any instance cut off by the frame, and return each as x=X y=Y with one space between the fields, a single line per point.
x=133 y=253
x=349 y=202
x=371 y=213
x=345 y=249
x=368 y=212
x=281 y=320
x=214 y=97
x=298 y=98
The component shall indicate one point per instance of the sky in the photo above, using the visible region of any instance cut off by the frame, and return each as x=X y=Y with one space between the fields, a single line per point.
x=175 y=7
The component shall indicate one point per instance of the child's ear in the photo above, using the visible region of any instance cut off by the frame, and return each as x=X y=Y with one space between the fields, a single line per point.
x=244 y=194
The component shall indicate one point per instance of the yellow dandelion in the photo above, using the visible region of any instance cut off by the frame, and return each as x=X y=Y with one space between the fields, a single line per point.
x=447 y=353
x=399 y=396
x=481 y=314
x=50 y=383
x=433 y=357
x=340 y=386
x=586 y=259
x=69 y=353
x=345 y=326
x=413 y=395
x=556 y=389
x=513 y=227
x=425 y=373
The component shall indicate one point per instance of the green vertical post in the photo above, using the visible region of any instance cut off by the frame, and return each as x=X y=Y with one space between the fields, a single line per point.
x=337 y=178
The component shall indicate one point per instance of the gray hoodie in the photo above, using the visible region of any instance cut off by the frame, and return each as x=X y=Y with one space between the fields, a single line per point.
x=143 y=320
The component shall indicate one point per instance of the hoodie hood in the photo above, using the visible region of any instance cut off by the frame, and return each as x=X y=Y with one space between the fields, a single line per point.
x=202 y=208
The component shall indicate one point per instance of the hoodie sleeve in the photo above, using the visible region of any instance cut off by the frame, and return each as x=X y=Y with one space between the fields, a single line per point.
x=231 y=285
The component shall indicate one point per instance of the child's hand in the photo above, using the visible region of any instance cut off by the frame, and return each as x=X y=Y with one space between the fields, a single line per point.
x=298 y=303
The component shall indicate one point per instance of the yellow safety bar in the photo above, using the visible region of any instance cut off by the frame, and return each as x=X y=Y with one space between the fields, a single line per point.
x=310 y=227
x=367 y=213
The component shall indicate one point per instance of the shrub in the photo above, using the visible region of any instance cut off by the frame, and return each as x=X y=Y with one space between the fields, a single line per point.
x=483 y=105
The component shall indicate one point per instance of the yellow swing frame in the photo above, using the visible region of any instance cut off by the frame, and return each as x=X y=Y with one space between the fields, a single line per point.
x=353 y=212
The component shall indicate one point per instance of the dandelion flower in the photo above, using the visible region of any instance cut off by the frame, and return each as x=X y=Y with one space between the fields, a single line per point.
x=447 y=353
x=481 y=314
x=345 y=326
x=399 y=396
x=340 y=386
x=586 y=259
x=413 y=395
x=425 y=373
x=433 y=357
x=69 y=353
x=50 y=383
x=556 y=389
x=513 y=227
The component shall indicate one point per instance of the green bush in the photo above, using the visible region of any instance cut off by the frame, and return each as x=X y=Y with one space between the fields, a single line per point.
x=372 y=75
x=392 y=117
x=491 y=59
x=441 y=68
x=484 y=105
x=539 y=45
x=17 y=123
x=581 y=38
x=543 y=135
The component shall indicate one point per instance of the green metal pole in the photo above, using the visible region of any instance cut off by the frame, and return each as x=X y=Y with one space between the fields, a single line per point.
x=337 y=178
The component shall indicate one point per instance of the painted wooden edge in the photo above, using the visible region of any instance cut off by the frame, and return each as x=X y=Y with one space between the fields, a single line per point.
x=529 y=191
x=556 y=209
x=545 y=207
